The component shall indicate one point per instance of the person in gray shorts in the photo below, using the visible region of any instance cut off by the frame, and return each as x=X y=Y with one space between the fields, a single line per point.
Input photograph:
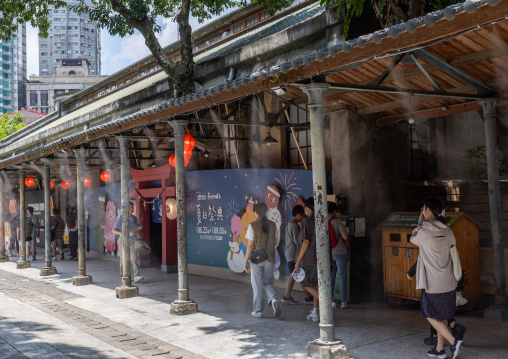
x=292 y=239
x=307 y=258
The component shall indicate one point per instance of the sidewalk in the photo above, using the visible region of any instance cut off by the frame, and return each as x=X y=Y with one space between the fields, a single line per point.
x=223 y=328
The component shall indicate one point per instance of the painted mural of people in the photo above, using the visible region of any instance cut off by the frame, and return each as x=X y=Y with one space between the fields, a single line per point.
x=235 y=256
x=272 y=198
x=109 y=242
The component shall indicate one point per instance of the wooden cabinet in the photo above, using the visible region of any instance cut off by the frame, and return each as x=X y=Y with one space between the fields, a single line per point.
x=399 y=254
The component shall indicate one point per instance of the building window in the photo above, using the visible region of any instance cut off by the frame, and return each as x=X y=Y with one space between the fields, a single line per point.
x=423 y=150
x=299 y=114
x=58 y=92
x=264 y=15
x=44 y=54
x=33 y=98
x=252 y=21
x=44 y=98
x=238 y=27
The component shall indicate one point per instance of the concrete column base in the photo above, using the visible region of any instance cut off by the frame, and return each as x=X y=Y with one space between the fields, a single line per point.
x=183 y=307
x=23 y=265
x=496 y=313
x=81 y=280
x=4 y=259
x=45 y=271
x=124 y=292
x=327 y=350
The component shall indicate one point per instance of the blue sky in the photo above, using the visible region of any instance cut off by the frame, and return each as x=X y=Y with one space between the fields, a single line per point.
x=117 y=52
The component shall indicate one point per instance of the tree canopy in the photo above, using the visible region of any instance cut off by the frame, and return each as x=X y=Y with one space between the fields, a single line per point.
x=387 y=12
x=10 y=125
x=123 y=17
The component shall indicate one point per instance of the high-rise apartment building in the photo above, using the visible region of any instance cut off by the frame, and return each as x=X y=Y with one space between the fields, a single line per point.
x=13 y=72
x=71 y=36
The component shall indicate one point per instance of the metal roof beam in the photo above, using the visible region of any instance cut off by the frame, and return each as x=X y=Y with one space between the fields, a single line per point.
x=379 y=80
x=455 y=72
x=381 y=89
x=433 y=83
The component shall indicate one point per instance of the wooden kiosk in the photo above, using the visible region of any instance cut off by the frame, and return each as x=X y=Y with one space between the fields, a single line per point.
x=399 y=254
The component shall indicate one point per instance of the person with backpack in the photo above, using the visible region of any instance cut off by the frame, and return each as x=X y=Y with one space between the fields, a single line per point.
x=57 y=233
x=339 y=244
x=33 y=231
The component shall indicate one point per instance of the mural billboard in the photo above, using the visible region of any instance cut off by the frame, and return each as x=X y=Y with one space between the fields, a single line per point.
x=220 y=208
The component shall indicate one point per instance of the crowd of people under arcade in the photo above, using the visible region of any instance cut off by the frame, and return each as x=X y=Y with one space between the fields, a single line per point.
x=436 y=276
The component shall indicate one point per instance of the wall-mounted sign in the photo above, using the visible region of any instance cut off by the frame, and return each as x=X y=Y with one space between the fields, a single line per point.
x=220 y=208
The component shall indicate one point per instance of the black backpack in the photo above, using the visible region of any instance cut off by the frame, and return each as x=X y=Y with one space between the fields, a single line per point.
x=29 y=227
x=53 y=232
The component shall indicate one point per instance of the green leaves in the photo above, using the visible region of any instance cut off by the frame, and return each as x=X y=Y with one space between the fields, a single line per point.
x=10 y=125
x=478 y=161
x=17 y=12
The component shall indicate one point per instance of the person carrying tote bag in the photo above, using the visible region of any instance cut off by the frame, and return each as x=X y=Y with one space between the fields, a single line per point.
x=261 y=251
x=435 y=276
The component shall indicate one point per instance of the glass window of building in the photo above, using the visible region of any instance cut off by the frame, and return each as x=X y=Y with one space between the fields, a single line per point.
x=238 y=27
x=33 y=98
x=252 y=21
x=44 y=98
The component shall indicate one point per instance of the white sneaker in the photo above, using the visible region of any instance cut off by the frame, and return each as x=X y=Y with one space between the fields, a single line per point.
x=138 y=279
x=313 y=316
x=344 y=304
x=256 y=314
x=334 y=305
x=53 y=259
x=276 y=308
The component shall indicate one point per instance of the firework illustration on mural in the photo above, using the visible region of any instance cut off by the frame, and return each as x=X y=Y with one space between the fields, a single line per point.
x=233 y=208
x=289 y=195
x=192 y=194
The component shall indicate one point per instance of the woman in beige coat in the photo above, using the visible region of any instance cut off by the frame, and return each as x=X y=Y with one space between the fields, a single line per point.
x=434 y=275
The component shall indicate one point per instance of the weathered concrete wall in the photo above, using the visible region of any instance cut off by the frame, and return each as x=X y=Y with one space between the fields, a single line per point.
x=368 y=166
x=454 y=135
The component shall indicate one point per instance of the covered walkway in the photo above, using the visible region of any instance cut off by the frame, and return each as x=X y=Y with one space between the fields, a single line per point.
x=223 y=327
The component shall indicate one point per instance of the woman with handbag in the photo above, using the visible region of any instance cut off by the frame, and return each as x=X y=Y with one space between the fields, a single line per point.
x=435 y=275
x=261 y=253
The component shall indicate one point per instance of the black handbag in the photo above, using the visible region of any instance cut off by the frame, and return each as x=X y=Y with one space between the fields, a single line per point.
x=259 y=255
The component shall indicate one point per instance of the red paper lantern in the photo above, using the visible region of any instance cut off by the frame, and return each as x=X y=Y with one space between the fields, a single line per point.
x=65 y=184
x=87 y=181
x=105 y=176
x=51 y=184
x=188 y=142
x=29 y=181
x=187 y=155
